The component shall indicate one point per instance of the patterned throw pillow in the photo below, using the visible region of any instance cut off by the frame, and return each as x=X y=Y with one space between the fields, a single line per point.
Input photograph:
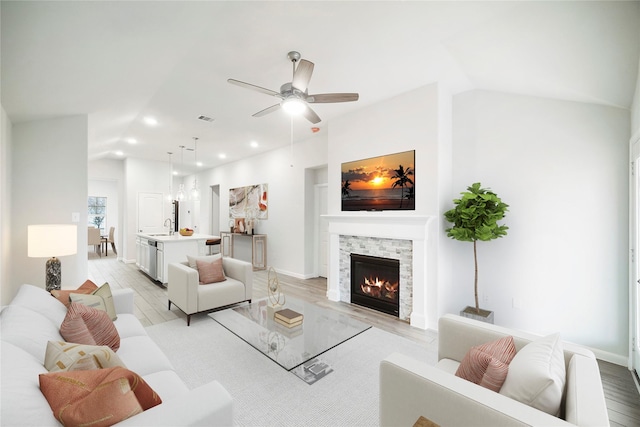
x=488 y=364
x=63 y=295
x=101 y=299
x=210 y=271
x=86 y=325
x=65 y=356
x=100 y=397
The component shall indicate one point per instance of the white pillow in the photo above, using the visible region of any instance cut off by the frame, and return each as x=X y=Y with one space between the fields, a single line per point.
x=208 y=258
x=537 y=375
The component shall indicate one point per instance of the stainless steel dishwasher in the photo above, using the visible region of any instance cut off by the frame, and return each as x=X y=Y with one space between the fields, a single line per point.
x=153 y=261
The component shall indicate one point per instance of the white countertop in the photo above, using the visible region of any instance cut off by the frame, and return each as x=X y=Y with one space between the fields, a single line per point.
x=176 y=237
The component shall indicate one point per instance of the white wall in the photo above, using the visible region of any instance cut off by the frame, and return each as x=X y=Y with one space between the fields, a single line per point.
x=286 y=249
x=635 y=110
x=5 y=207
x=48 y=184
x=562 y=168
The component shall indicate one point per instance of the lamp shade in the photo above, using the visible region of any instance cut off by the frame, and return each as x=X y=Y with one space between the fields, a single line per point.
x=52 y=240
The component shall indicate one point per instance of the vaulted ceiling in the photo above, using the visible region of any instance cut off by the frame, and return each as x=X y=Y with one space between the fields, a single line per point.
x=121 y=61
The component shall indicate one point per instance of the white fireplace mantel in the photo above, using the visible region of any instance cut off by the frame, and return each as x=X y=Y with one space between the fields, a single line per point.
x=417 y=228
x=405 y=227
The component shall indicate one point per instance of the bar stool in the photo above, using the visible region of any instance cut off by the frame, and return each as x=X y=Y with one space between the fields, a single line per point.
x=211 y=243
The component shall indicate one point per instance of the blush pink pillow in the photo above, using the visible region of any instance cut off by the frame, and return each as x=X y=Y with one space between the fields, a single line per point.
x=210 y=271
x=488 y=364
x=87 y=325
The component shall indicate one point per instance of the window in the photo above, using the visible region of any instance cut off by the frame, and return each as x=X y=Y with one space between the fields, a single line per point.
x=98 y=213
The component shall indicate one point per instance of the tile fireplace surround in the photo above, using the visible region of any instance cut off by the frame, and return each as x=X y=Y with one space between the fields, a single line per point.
x=412 y=240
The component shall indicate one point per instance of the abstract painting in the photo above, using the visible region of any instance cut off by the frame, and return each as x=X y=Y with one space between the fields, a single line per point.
x=249 y=202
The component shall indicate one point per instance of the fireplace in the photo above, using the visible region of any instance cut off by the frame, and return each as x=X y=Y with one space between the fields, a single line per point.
x=375 y=283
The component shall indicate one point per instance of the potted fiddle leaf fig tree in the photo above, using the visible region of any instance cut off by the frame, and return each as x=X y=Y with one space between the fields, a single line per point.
x=475 y=217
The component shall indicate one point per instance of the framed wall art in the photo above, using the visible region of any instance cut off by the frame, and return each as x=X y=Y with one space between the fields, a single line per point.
x=249 y=202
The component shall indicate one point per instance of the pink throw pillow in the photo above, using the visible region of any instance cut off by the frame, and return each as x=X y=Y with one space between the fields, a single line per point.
x=87 y=325
x=98 y=397
x=488 y=364
x=210 y=272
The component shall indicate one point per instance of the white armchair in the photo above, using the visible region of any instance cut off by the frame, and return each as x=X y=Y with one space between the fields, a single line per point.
x=410 y=388
x=188 y=295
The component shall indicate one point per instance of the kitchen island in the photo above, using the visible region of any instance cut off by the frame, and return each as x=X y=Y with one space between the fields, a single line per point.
x=154 y=252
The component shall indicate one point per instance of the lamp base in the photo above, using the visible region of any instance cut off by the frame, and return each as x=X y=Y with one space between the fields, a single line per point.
x=54 y=274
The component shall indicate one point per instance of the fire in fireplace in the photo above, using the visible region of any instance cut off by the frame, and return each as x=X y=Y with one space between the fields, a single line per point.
x=375 y=283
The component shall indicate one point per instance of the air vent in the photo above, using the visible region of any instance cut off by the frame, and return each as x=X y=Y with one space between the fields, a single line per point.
x=206 y=119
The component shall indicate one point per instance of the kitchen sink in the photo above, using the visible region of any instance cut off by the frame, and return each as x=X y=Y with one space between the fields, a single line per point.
x=158 y=234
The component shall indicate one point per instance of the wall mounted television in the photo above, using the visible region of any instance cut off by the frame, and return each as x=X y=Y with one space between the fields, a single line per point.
x=379 y=183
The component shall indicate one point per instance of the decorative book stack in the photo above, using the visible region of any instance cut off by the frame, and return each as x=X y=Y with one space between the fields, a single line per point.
x=287 y=317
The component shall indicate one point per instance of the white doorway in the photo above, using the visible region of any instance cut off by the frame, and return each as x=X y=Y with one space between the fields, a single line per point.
x=321 y=229
x=215 y=210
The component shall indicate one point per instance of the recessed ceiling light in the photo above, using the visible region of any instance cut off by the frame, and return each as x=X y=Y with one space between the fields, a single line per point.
x=199 y=164
x=119 y=153
x=175 y=173
x=222 y=156
x=254 y=144
x=150 y=121
x=132 y=140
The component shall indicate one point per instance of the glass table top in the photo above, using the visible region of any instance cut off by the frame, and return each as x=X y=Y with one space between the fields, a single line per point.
x=321 y=330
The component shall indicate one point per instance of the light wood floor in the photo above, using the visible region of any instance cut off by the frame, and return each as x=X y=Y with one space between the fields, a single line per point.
x=623 y=400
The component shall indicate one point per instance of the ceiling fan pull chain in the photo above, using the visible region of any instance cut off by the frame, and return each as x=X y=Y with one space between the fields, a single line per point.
x=291 y=141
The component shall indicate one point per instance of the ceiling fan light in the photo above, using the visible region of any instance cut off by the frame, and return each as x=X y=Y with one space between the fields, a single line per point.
x=293 y=106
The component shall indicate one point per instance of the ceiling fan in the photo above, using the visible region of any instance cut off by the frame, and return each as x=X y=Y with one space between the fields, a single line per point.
x=294 y=95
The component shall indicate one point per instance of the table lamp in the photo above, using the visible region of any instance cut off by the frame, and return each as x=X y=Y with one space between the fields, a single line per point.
x=51 y=240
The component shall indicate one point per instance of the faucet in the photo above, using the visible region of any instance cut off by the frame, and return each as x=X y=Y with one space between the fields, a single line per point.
x=170 y=226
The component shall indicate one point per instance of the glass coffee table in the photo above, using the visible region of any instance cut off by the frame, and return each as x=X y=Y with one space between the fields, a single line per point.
x=295 y=349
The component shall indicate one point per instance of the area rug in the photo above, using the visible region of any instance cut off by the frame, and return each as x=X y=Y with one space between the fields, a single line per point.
x=265 y=394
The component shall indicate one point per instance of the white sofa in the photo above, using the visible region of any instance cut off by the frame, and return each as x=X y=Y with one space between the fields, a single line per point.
x=410 y=388
x=188 y=295
x=34 y=317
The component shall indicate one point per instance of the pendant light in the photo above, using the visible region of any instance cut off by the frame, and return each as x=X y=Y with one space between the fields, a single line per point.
x=180 y=195
x=170 y=194
x=195 y=192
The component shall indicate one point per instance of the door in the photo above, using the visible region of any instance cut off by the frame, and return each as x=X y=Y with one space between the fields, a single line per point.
x=150 y=213
x=634 y=291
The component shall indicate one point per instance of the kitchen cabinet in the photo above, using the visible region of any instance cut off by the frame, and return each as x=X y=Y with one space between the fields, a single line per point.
x=142 y=254
x=169 y=249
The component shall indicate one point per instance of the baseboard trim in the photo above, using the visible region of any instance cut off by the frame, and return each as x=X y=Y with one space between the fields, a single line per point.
x=610 y=357
x=292 y=274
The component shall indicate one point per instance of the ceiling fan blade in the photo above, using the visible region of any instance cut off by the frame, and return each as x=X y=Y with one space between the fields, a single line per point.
x=321 y=98
x=311 y=115
x=253 y=87
x=302 y=75
x=267 y=110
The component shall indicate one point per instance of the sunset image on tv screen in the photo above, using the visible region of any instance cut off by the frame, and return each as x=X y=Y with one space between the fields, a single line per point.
x=379 y=183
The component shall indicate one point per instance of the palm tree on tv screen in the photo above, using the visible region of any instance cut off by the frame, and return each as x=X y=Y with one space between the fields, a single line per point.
x=402 y=180
x=346 y=188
